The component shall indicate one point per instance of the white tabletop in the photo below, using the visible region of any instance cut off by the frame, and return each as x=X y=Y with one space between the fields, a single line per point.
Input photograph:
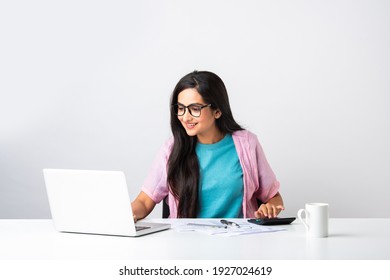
x=348 y=239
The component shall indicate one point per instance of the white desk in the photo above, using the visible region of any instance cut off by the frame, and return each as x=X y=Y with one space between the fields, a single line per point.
x=349 y=239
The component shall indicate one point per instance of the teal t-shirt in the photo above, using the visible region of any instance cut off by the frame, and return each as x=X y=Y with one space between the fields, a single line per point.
x=221 y=185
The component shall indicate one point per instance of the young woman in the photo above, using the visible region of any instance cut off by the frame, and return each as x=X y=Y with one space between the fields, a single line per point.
x=211 y=167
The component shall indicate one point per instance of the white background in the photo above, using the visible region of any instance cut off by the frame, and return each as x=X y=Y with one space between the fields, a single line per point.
x=86 y=84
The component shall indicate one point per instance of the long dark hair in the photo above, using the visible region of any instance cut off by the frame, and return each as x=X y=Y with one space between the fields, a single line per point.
x=183 y=165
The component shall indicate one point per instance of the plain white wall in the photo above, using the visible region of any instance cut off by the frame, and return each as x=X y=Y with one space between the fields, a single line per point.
x=86 y=84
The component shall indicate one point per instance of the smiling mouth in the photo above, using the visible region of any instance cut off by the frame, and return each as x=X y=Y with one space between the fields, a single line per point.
x=190 y=125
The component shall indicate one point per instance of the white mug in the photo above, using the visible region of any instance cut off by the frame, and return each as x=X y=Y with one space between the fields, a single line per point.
x=316 y=219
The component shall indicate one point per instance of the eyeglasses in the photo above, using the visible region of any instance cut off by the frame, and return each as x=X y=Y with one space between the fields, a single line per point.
x=194 y=109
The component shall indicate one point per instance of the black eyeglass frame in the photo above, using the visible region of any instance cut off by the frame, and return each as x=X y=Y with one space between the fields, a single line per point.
x=188 y=107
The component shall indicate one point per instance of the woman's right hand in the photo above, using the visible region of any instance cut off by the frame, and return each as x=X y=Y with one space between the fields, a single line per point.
x=142 y=206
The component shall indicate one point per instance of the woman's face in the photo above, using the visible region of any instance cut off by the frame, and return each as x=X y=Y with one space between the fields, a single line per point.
x=204 y=126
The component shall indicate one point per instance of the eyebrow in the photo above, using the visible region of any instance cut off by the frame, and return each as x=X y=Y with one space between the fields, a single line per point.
x=196 y=103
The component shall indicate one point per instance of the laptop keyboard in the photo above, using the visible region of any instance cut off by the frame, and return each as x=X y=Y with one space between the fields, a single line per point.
x=138 y=228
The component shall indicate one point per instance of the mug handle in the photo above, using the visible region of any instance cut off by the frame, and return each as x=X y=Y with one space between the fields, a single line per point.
x=300 y=211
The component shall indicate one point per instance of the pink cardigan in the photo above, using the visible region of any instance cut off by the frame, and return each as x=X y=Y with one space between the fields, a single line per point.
x=259 y=179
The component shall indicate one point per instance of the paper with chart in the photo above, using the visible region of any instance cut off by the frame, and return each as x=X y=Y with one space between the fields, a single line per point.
x=215 y=227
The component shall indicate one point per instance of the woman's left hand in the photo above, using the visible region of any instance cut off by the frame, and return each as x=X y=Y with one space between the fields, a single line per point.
x=268 y=210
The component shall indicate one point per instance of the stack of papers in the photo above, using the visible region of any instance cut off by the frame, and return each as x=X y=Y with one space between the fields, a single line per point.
x=215 y=227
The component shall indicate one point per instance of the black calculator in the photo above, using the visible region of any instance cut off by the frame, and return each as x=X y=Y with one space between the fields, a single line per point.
x=272 y=221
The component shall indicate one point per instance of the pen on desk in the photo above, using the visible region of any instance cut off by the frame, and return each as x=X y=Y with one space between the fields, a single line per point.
x=206 y=225
x=228 y=223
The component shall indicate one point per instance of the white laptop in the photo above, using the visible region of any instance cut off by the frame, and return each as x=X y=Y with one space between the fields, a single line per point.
x=90 y=201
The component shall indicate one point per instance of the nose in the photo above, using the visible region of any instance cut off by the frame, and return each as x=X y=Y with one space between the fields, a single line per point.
x=187 y=116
